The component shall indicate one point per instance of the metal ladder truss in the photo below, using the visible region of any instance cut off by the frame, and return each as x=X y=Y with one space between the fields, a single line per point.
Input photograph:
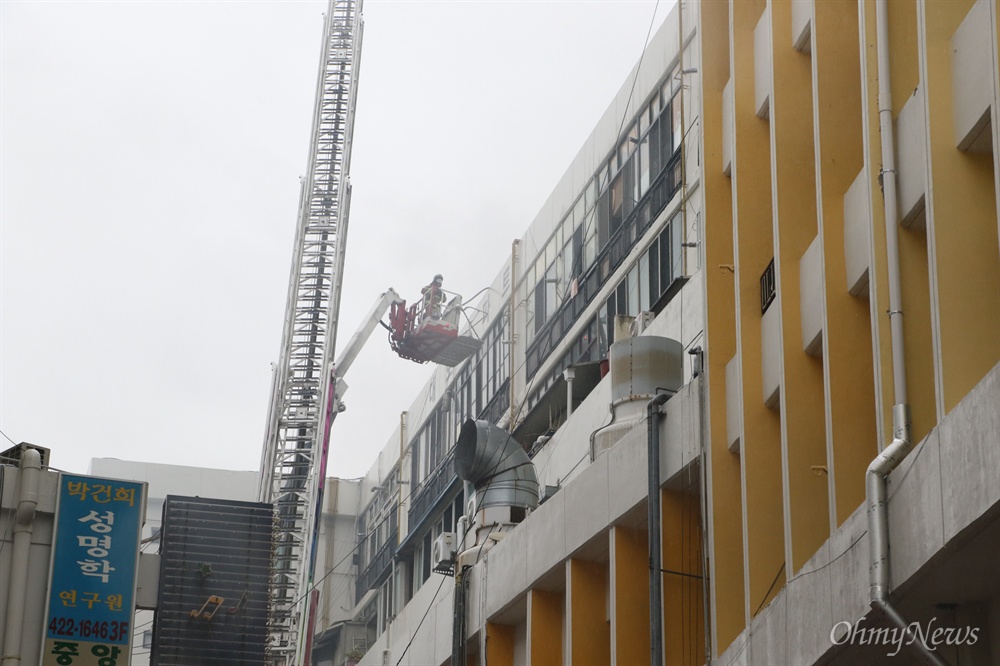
x=293 y=456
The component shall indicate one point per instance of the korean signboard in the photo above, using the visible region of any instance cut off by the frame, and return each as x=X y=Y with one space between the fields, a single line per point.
x=94 y=562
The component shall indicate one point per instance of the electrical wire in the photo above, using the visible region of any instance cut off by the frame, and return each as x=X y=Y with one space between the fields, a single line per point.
x=490 y=478
x=523 y=401
x=8 y=438
x=501 y=459
x=770 y=607
x=430 y=606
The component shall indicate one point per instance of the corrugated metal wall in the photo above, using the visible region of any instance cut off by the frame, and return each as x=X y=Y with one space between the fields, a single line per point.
x=216 y=558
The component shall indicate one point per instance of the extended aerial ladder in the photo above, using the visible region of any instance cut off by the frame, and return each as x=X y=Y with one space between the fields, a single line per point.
x=306 y=389
x=293 y=457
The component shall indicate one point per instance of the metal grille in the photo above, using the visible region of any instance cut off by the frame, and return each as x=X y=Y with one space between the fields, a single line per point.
x=293 y=458
x=767 y=287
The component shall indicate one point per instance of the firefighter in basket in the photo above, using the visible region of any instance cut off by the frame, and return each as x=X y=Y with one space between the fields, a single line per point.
x=433 y=299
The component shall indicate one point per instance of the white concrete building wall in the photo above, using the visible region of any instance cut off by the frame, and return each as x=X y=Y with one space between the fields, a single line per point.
x=727 y=128
x=911 y=158
x=972 y=67
x=811 y=298
x=856 y=229
x=762 y=65
x=802 y=25
x=770 y=341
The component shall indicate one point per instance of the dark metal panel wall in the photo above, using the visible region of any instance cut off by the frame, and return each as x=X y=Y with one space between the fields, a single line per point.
x=216 y=558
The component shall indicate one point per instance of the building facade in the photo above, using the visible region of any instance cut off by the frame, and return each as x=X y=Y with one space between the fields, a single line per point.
x=166 y=480
x=732 y=199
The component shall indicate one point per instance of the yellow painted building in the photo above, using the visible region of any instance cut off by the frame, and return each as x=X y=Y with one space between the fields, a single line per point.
x=733 y=199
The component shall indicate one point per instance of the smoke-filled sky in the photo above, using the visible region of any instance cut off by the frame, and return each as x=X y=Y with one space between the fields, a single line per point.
x=150 y=155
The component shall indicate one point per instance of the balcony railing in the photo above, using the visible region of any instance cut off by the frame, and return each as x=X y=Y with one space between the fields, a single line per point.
x=378 y=569
x=432 y=490
x=656 y=198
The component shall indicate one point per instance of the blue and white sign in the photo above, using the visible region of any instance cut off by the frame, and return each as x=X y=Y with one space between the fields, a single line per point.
x=94 y=563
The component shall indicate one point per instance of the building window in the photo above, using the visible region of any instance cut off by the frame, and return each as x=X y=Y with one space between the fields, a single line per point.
x=767 y=287
x=631 y=188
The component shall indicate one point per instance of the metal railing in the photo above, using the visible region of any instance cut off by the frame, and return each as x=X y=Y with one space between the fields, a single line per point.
x=378 y=568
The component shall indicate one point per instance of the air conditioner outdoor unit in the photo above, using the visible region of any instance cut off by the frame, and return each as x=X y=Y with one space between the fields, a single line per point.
x=642 y=322
x=443 y=554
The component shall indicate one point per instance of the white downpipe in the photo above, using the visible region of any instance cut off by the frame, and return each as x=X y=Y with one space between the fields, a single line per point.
x=569 y=374
x=880 y=580
x=891 y=207
x=24 y=517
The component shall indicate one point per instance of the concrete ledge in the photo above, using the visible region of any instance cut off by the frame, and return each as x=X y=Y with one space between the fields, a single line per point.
x=949 y=481
x=970 y=455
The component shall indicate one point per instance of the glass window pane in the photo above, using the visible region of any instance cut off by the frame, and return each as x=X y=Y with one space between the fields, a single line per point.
x=569 y=268
x=603 y=228
x=677 y=130
x=616 y=203
x=643 y=157
x=608 y=319
x=576 y=252
x=633 y=291
x=676 y=226
x=631 y=195
x=590 y=247
x=561 y=270
x=551 y=284
x=654 y=150
x=654 y=272
x=644 y=282
x=539 y=305
x=665 y=274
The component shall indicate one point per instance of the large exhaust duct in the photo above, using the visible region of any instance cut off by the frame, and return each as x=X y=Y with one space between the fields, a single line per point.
x=641 y=367
x=495 y=463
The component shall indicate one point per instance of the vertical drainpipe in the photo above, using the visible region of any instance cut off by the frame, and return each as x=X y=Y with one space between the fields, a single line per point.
x=569 y=374
x=653 y=506
x=878 y=471
x=24 y=516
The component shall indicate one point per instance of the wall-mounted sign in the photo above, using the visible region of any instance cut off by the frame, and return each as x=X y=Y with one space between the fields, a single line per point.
x=94 y=563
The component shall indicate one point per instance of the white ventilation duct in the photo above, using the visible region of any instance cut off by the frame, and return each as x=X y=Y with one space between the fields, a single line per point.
x=496 y=465
x=640 y=368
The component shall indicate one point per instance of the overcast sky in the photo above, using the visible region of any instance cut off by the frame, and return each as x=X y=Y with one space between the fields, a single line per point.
x=149 y=170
